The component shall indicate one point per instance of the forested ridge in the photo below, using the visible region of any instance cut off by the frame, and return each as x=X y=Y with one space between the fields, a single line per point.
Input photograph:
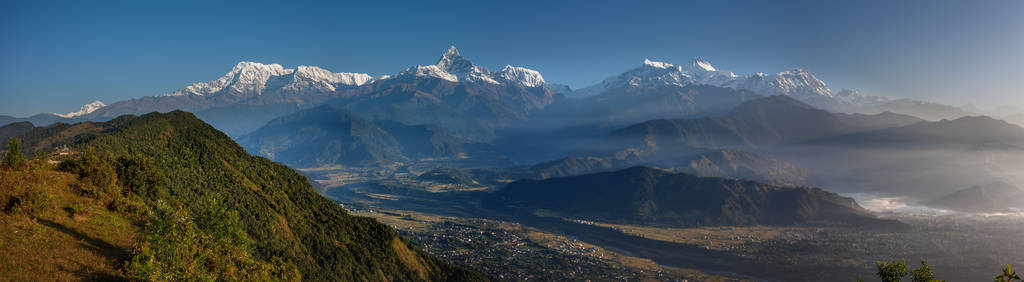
x=175 y=169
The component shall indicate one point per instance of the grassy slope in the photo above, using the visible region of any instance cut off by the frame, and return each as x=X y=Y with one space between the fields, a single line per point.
x=283 y=214
x=58 y=244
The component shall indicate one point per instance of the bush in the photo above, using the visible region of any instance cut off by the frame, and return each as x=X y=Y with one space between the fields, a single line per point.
x=891 y=271
x=131 y=207
x=222 y=224
x=78 y=208
x=40 y=161
x=923 y=273
x=98 y=178
x=139 y=177
x=13 y=158
x=172 y=251
x=176 y=248
x=33 y=201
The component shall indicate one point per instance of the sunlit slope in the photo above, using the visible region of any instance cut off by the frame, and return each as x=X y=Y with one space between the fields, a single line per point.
x=282 y=213
x=49 y=232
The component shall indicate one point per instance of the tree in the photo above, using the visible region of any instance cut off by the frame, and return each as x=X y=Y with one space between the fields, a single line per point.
x=221 y=223
x=13 y=158
x=139 y=177
x=923 y=273
x=97 y=174
x=891 y=271
x=1008 y=275
x=176 y=248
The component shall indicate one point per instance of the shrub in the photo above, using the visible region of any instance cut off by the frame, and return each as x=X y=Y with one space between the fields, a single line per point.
x=33 y=201
x=13 y=158
x=891 y=271
x=176 y=248
x=923 y=273
x=98 y=178
x=79 y=208
x=40 y=161
x=131 y=207
x=138 y=176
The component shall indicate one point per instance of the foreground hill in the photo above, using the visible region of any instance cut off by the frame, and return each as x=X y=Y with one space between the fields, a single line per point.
x=328 y=135
x=642 y=195
x=281 y=213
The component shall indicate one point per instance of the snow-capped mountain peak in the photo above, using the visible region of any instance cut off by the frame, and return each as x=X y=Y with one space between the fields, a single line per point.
x=455 y=68
x=84 y=110
x=697 y=64
x=528 y=77
x=318 y=74
x=794 y=82
x=451 y=58
x=245 y=77
x=654 y=64
x=252 y=79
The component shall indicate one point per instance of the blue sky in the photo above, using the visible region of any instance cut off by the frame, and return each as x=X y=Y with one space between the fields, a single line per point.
x=56 y=56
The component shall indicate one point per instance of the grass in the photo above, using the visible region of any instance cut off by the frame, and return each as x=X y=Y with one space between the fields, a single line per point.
x=70 y=238
x=409 y=258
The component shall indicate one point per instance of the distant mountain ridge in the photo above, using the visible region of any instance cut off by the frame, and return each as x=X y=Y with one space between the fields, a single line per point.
x=927 y=159
x=328 y=135
x=993 y=197
x=964 y=133
x=797 y=83
x=86 y=109
x=642 y=195
x=767 y=121
x=453 y=67
x=251 y=78
x=261 y=92
x=725 y=163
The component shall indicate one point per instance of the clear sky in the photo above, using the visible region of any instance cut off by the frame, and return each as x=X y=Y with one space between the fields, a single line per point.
x=56 y=56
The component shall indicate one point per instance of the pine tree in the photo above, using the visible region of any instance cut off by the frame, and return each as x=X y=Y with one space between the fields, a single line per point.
x=13 y=158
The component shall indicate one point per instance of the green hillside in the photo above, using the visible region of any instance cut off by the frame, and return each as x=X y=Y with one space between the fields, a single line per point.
x=283 y=218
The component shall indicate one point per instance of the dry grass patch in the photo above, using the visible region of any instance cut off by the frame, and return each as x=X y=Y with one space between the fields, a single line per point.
x=71 y=238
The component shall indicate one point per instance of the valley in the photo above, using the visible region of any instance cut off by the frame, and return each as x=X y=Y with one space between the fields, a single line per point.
x=959 y=247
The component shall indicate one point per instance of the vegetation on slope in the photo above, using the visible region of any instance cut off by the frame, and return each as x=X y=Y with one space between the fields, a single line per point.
x=284 y=220
x=48 y=230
